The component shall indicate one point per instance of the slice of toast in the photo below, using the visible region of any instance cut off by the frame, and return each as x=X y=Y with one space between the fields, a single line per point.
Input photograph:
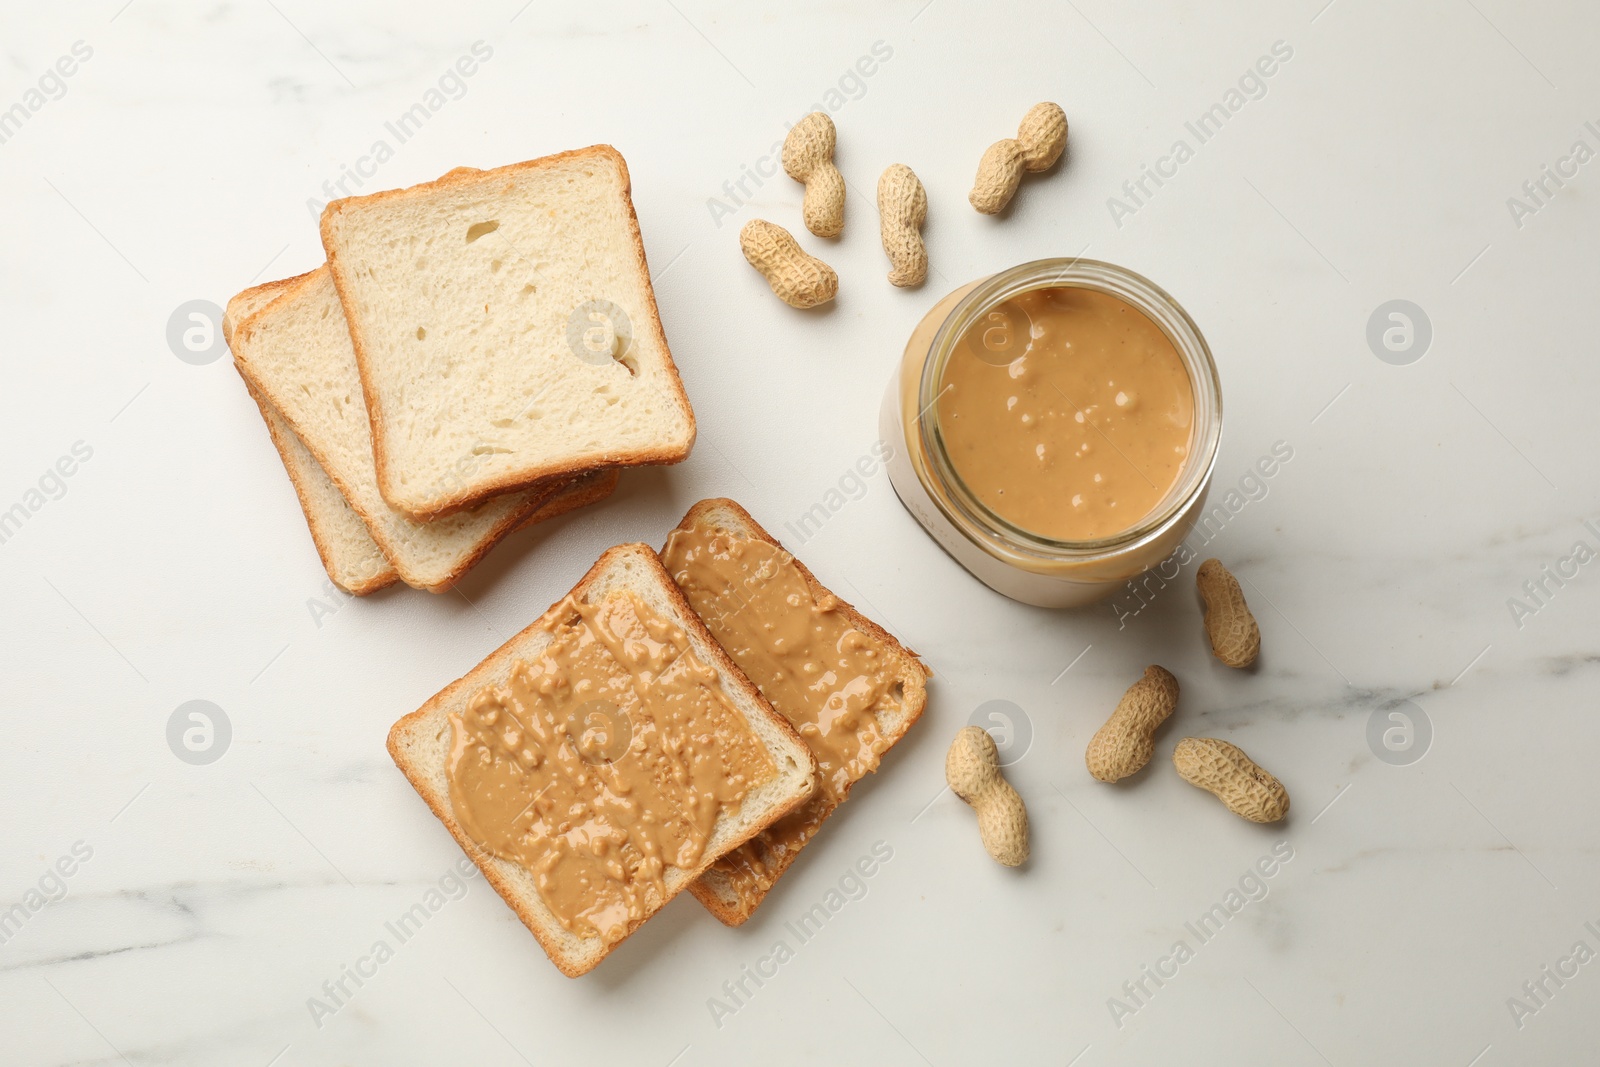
x=507 y=316
x=349 y=554
x=422 y=745
x=753 y=614
x=296 y=352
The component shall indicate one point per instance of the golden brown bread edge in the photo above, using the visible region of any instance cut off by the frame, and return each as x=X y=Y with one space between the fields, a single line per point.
x=583 y=490
x=383 y=579
x=440 y=805
x=570 y=494
x=467 y=176
x=914 y=676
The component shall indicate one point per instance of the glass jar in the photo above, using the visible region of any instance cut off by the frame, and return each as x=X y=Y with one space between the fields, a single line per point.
x=1010 y=560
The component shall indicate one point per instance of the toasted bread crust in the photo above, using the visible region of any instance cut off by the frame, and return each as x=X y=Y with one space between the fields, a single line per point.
x=384 y=578
x=733 y=908
x=381 y=580
x=461 y=499
x=580 y=492
x=567 y=495
x=275 y=289
x=458 y=691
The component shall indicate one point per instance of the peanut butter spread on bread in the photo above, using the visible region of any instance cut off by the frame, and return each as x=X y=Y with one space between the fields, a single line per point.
x=819 y=671
x=603 y=761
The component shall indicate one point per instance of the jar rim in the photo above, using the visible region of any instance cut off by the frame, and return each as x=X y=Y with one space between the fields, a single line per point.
x=1145 y=296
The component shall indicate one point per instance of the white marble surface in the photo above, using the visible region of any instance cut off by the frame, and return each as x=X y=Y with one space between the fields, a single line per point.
x=216 y=900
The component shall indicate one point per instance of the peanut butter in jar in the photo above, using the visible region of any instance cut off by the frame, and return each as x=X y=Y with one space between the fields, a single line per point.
x=1054 y=428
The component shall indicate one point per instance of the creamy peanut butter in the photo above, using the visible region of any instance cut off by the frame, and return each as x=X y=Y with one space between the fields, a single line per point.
x=818 y=670
x=1067 y=412
x=601 y=762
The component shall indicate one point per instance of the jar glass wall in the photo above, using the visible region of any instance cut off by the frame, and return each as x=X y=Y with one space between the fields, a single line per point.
x=1015 y=561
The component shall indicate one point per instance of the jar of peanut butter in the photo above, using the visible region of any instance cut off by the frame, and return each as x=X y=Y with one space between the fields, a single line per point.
x=1054 y=427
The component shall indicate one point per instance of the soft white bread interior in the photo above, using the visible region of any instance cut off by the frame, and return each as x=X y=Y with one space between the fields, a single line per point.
x=296 y=352
x=421 y=743
x=349 y=554
x=506 y=316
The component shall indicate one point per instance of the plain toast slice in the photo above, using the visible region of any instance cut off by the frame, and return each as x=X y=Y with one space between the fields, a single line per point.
x=349 y=554
x=296 y=352
x=814 y=697
x=422 y=745
x=505 y=317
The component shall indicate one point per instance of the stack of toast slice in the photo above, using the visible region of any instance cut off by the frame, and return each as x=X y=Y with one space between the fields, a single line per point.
x=478 y=353
x=803 y=719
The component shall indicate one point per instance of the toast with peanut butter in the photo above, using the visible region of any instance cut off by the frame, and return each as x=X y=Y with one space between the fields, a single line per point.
x=601 y=760
x=849 y=688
